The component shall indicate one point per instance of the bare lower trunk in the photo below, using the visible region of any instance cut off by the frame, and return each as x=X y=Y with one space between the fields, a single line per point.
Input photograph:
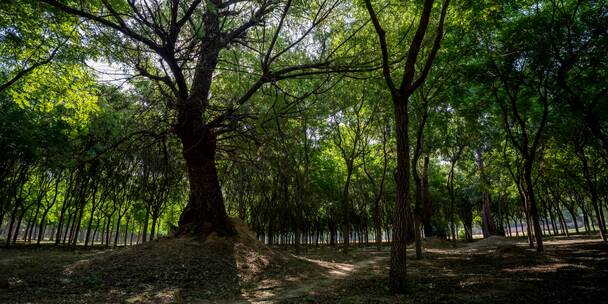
x=397 y=272
x=117 y=231
x=488 y=226
x=153 y=228
x=538 y=234
x=205 y=212
x=594 y=195
x=426 y=200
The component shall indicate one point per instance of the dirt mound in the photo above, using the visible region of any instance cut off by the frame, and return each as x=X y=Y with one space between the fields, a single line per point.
x=170 y=269
x=437 y=242
x=491 y=242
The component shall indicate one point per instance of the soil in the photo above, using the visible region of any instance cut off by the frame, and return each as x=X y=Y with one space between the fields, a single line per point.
x=242 y=270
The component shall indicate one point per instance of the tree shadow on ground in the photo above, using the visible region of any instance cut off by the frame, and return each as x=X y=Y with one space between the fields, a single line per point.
x=162 y=271
x=170 y=270
x=570 y=271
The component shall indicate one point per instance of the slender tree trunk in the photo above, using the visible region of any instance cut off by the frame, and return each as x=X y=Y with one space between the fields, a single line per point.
x=594 y=196
x=538 y=234
x=526 y=211
x=452 y=198
x=144 y=234
x=107 y=230
x=32 y=223
x=127 y=230
x=12 y=222
x=18 y=227
x=397 y=271
x=346 y=207
x=41 y=227
x=153 y=228
x=117 y=233
x=427 y=200
x=60 y=223
x=488 y=227
x=417 y=208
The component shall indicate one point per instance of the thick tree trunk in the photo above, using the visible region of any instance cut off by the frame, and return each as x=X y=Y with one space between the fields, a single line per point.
x=205 y=212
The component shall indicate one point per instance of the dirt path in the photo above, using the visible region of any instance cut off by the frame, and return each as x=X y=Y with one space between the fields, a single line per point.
x=293 y=290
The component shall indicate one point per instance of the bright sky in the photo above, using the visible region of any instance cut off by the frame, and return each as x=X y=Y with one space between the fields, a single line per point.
x=110 y=73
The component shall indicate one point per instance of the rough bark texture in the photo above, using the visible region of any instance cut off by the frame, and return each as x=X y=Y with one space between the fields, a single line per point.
x=205 y=212
x=397 y=272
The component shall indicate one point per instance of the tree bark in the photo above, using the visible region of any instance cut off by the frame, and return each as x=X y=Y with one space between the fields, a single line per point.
x=488 y=226
x=205 y=212
x=397 y=272
x=593 y=191
x=427 y=200
x=538 y=233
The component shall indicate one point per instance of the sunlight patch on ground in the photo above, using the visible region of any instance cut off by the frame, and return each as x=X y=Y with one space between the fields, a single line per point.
x=546 y=268
x=167 y=295
x=342 y=270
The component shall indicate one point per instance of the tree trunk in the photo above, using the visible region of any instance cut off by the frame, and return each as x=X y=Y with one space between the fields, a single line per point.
x=538 y=234
x=127 y=230
x=427 y=200
x=153 y=228
x=60 y=224
x=346 y=206
x=205 y=212
x=32 y=223
x=417 y=207
x=397 y=272
x=12 y=222
x=573 y=215
x=117 y=233
x=42 y=225
x=594 y=195
x=488 y=227
x=452 y=199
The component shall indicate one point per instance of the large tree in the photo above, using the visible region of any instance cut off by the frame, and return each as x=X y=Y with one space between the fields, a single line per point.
x=180 y=45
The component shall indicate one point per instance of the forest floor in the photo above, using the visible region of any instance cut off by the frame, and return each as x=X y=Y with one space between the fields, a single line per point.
x=495 y=270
